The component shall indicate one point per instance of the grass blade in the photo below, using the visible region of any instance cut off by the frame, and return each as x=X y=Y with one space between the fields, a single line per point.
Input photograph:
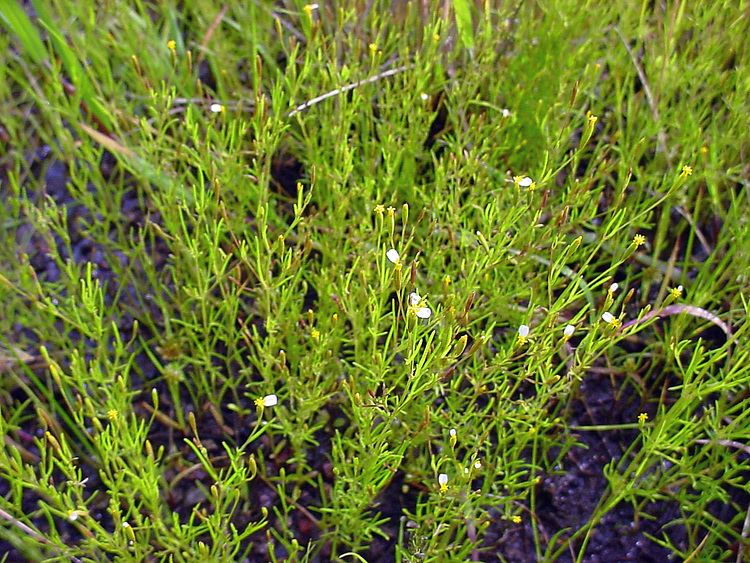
x=464 y=22
x=18 y=23
x=75 y=71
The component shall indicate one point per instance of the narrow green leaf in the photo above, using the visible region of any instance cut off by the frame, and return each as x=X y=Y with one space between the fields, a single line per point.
x=69 y=60
x=18 y=23
x=464 y=22
x=75 y=71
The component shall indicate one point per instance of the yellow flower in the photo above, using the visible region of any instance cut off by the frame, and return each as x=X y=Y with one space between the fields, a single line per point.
x=379 y=209
x=676 y=292
x=639 y=240
x=642 y=418
x=112 y=414
x=172 y=46
x=515 y=519
x=686 y=171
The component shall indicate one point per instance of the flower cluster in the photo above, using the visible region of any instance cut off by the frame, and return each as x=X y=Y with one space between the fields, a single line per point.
x=417 y=305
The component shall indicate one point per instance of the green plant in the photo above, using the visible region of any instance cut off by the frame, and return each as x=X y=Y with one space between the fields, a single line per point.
x=304 y=264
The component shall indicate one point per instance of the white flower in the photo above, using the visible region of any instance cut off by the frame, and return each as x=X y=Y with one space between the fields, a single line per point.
x=525 y=182
x=505 y=112
x=568 y=331
x=608 y=317
x=477 y=464
x=270 y=400
x=393 y=255
x=523 y=331
x=216 y=108
x=453 y=437
x=422 y=312
x=443 y=482
x=424 y=97
x=613 y=288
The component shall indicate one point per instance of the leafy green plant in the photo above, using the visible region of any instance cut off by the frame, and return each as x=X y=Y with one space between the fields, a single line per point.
x=313 y=282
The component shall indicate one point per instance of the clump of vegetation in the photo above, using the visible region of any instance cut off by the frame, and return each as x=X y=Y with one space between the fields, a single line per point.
x=403 y=281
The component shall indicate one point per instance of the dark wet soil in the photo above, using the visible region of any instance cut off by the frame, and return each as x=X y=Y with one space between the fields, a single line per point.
x=567 y=498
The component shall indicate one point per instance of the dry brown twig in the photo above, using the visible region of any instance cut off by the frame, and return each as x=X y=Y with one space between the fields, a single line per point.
x=742 y=549
x=679 y=309
x=210 y=32
x=347 y=88
x=30 y=532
